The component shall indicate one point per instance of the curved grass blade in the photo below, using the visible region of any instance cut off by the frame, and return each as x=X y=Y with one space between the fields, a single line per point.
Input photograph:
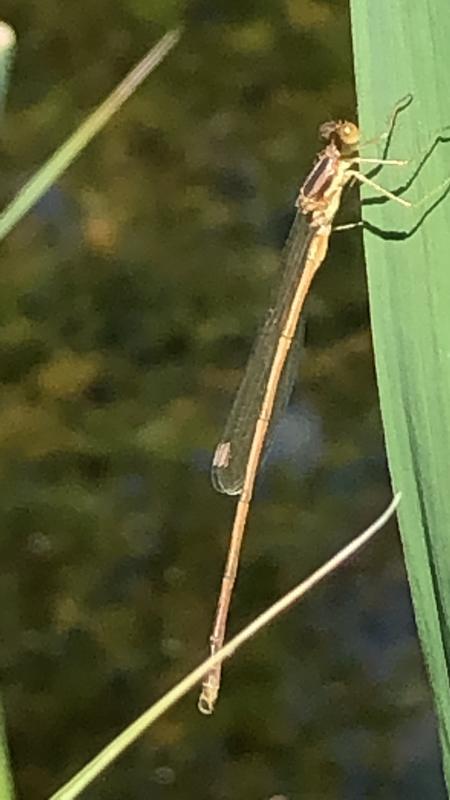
x=114 y=749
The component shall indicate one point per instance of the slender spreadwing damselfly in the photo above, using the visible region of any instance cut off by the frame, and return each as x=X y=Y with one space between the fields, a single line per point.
x=272 y=366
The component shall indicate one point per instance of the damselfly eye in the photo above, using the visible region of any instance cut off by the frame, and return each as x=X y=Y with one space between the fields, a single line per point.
x=349 y=133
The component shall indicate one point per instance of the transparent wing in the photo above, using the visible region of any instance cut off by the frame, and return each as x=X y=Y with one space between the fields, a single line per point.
x=231 y=454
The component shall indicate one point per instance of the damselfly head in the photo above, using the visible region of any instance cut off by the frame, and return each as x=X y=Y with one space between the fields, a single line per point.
x=344 y=134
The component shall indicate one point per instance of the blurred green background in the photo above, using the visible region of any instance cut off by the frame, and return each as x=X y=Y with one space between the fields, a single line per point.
x=129 y=300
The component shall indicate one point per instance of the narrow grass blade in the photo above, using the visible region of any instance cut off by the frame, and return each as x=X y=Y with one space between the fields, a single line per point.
x=64 y=156
x=98 y=764
x=400 y=49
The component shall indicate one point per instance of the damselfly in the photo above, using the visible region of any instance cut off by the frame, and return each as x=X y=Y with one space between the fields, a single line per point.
x=272 y=366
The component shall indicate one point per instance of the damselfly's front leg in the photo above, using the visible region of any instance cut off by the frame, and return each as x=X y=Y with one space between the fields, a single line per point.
x=368 y=182
x=358 y=176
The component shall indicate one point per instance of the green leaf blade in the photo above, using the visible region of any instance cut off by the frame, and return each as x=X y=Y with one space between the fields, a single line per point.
x=398 y=51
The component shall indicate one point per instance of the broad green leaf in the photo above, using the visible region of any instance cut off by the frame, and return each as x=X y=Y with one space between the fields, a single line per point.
x=403 y=48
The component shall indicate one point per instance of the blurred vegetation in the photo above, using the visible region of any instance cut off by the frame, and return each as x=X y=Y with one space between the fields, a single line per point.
x=129 y=300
